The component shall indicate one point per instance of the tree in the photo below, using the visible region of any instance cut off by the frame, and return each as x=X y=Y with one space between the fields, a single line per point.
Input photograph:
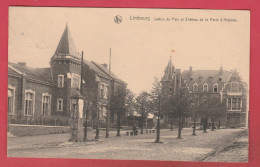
x=118 y=106
x=143 y=103
x=182 y=109
x=216 y=109
x=154 y=96
x=168 y=105
x=129 y=102
x=156 y=104
x=197 y=104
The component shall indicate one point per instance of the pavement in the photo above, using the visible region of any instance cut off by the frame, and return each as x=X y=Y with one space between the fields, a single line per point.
x=211 y=146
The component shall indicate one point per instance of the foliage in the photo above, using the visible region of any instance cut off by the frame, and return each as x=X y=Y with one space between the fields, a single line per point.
x=182 y=104
x=143 y=104
x=129 y=102
x=118 y=101
x=155 y=96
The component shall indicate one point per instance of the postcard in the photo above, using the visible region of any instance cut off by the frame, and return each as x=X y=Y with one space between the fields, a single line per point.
x=128 y=83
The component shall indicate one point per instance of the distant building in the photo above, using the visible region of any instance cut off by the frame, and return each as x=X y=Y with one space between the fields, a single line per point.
x=226 y=85
x=36 y=93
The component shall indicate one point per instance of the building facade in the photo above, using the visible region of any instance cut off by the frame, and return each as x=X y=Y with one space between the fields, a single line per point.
x=35 y=94
x=225 y=85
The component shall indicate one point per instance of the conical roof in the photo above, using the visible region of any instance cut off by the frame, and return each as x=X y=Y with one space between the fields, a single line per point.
x=66 y=45
x=169 y=71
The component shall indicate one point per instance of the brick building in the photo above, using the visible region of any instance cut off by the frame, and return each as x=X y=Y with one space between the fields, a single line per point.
x=225 y=85
x=35 y=94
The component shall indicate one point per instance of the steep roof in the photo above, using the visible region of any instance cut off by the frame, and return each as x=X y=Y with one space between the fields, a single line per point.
x=169 y=71
x=66 y=45
x=205 y=74
x=40 y=74
x=101 y=70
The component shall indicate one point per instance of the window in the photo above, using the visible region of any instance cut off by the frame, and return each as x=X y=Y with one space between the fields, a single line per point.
x=102 y=90
x=234 y=103
x=195 y=87
x=215 y=88
x=103 y=111
x=75 y=81
x=46 y=99
x=205 y=87
x=29 y=103
x=60 y=81
x=233 y=118
x=59 y=104
x=239 y=103
x=11 y=97
x=170 y=89
x=234 y=87
x=105 y=91
x=229 y=103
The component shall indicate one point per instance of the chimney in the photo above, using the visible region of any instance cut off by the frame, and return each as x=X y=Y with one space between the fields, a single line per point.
x=22 y=64
x=190 y=73
x=105 y=65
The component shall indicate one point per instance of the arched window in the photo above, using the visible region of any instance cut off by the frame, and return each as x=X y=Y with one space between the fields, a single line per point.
x=195 y=87
x=59 y=104
x=215 y=88
x=205 y=87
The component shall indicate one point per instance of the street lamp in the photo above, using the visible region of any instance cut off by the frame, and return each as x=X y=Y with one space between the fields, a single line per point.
x=76 y=116
x=158 y=121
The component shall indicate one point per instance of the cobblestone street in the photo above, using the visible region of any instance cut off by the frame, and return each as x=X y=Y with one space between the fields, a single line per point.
x=212 y=146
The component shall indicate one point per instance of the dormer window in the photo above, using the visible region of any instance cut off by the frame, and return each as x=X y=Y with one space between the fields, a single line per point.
x=195 y=87
x=234 y=87
x=60 y=81
x=220 y=78
x=205 y=87
x=215 y=88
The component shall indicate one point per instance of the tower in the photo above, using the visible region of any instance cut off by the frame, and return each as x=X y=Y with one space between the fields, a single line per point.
x=169 y=80
x=66 y=69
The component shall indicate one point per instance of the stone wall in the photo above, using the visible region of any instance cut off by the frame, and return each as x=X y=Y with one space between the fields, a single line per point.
x=34 y=130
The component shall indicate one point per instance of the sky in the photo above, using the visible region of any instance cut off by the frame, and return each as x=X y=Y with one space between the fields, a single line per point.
x=140 y=48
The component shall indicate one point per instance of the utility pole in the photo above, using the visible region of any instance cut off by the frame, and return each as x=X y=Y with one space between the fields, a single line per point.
x=109 y=98
x=81 y=92
x=158 y=121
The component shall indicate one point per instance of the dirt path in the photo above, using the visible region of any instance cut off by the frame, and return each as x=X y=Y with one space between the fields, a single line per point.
x=141 y=147
x=237 y=151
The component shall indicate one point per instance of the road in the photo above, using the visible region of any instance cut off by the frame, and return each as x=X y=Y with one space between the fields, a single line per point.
x=141 y=147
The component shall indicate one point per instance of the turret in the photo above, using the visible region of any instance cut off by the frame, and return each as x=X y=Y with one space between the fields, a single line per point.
x=65 y=68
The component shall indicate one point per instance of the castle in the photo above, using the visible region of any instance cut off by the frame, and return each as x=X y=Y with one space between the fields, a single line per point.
x=225 y=85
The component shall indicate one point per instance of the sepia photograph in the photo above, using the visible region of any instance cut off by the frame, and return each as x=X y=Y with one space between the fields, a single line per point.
x=128 y=83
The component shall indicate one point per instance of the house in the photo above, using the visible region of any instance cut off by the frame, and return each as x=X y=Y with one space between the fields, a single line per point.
x=37 y=94
x=225 y=85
